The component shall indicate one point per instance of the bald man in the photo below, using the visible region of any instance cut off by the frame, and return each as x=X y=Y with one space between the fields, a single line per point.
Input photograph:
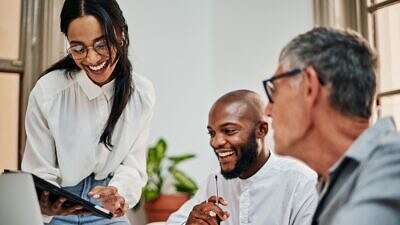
x=254 y=186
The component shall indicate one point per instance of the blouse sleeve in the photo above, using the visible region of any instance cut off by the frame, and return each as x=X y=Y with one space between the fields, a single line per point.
x=39 y=156
x=130 y=176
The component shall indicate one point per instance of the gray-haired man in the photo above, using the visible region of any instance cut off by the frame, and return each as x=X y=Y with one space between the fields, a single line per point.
x=320 y=103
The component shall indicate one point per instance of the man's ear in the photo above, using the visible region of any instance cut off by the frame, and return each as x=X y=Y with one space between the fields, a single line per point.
x=262 y=129
x=313 y=86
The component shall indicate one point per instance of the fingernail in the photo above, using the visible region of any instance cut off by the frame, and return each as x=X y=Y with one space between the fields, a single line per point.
x=96 y=196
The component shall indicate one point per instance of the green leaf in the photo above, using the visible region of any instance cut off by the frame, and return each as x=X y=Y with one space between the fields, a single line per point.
x=161 y=148
x=180 y=158
x=155 y=157
x=184 y=182
x=150 y=194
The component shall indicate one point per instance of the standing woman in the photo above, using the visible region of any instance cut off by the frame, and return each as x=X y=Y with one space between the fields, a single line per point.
x=88 y=117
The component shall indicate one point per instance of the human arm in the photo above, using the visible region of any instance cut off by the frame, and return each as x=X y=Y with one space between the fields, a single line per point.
x=375 y=198
x=130 y=175
x=40 y=155
x=208 y=212
x=181 y=215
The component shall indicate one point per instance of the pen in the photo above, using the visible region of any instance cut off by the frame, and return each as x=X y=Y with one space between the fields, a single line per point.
x=216 y=188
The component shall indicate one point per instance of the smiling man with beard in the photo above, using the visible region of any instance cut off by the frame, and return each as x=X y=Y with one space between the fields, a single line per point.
x=254 y=186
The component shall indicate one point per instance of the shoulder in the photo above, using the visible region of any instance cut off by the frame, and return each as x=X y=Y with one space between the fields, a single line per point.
x=390 y=142
x=50 y=84
x=293 y=168
x=386 y=149
x=144 y=91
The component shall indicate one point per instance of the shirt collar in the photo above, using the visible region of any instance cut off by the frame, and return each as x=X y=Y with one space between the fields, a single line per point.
x=91 y=89
x=363 y=145
x=367 y=141
x=108 y=89
x=260 y=173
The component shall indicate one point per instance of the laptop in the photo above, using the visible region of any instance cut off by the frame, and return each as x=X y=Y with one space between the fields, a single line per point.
x=18 y=201
x=72 y=199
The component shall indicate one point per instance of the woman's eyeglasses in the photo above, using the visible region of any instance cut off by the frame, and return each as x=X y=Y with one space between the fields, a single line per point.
x=80 y=51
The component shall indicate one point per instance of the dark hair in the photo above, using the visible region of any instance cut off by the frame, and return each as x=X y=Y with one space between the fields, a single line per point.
x=114 y=27
x=343 y=60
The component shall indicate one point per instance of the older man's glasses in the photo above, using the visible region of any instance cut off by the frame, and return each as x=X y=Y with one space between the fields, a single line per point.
x=269 y=85
x=80 y=51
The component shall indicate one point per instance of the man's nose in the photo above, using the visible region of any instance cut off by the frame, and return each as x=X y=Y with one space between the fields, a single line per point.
x=217 y=141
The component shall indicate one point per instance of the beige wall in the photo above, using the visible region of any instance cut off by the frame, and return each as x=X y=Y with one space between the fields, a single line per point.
x=9 y=28
x=9 y=84
x=9 y=91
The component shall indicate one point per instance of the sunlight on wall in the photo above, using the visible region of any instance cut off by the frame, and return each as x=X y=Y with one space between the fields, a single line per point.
x=9 y=91
x=9 y=84
x=388 y=45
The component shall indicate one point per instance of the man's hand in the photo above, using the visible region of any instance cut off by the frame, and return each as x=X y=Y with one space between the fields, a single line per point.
x=208 y=212
x=56 y=208
x=111 y=199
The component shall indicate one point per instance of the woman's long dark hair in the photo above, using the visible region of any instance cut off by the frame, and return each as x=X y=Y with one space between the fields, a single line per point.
x=115 y=29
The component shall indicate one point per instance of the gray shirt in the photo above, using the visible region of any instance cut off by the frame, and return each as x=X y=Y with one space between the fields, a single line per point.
x=364 y=186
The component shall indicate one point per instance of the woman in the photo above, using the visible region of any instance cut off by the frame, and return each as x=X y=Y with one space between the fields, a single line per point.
x=88 y=117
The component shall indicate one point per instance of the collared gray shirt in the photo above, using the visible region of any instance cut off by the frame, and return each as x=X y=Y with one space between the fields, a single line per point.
x=364 y=188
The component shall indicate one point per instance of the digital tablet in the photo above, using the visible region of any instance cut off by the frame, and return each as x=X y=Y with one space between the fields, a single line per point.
x=72 y=199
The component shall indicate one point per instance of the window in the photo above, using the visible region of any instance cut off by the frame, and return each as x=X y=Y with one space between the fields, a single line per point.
x=385 y=35
x=29 y=42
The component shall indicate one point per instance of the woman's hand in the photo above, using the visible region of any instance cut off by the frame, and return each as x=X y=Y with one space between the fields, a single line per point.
x=208 y=212
x=56 y=208
x=111 y=199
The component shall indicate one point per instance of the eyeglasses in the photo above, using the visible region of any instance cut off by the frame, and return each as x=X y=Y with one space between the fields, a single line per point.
x=269 y=86
x=80 y=51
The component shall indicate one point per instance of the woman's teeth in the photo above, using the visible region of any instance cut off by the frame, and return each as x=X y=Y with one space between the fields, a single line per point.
x=225 y=154
x=98 y=67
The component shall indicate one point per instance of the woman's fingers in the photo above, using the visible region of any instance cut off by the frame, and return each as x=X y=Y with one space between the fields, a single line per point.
x=103 y=191
x=111 y=199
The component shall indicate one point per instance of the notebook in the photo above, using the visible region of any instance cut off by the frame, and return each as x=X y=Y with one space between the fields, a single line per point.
x=18 y=201
x=72 y=199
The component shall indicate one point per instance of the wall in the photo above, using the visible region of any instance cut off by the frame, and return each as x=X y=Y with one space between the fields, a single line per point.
x=9 y=85
x=194 y=51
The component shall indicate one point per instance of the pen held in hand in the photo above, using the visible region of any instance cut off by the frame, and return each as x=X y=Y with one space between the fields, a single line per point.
x=216 y=188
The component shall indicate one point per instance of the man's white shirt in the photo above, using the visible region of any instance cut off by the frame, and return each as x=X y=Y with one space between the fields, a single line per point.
x=282 y=192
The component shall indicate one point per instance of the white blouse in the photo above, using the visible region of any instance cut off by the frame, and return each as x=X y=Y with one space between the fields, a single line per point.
x=64 y=121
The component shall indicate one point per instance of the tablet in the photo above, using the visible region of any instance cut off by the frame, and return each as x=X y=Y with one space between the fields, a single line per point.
x=72 y=199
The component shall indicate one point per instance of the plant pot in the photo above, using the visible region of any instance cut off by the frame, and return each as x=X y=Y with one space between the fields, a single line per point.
x=160 y=208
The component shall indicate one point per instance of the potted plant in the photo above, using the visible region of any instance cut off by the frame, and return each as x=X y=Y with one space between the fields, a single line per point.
x=159 y=206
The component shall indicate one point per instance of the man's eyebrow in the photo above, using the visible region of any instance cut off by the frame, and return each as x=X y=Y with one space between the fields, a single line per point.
x=223 y=125
x=228 y=124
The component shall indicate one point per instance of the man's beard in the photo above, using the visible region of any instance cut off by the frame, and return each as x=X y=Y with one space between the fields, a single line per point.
x=249 y=155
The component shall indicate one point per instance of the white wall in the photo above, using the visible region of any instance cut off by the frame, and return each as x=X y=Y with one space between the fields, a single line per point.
x=196 y=50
